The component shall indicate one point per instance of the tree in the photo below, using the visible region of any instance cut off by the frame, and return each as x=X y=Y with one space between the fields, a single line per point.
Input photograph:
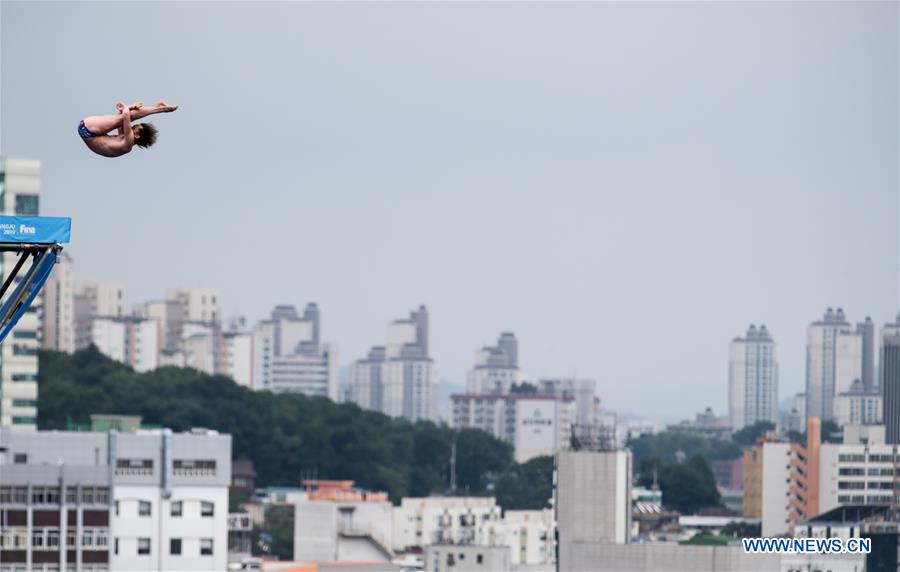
x=524 y=388
x=747 y=436
x=527 y=486
x=276 y=536
x=686 y=487
x=286 y=435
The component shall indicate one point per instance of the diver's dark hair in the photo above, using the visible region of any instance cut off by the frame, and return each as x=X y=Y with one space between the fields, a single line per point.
x=147 y=135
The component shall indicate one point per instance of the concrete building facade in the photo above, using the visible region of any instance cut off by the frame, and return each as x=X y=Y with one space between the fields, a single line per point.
x=496 y=367
x=129 y=340
x=890 y=382
x=400 y=378
x=753 y=379
x=833 y=361
x=289 y=356
x=533 y=424
x=58 y=318
x=95 y=502
x=20 y=187
x=593 y=502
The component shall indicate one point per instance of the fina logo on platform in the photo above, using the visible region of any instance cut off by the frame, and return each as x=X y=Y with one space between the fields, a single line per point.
x=25 y=229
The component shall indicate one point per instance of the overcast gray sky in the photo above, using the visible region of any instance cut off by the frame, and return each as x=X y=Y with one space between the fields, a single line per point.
x=624 y=186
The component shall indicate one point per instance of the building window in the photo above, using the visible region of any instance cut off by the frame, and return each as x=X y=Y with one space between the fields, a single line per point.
x=72 y=495
x=206 y=508
x=194 y=467
x=87 y=495
x=101 y=538
x=24 y=377
x=20 y=458
x=53 y=538
x=87 y=538
x=71 y=538
x=143 y=508
x=143 y=546
x=5 y=495
x=37 y=538
x=26 y=205
x=175 y=509
x=206 y=547
x=142 y=467
x=102 y=496
x=175 y=546
x=24 y=350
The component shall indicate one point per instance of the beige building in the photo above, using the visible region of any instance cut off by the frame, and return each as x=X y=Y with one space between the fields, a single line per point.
x=58 y=321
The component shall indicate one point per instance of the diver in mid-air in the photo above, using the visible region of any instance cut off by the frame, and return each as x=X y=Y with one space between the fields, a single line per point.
x=94 y=130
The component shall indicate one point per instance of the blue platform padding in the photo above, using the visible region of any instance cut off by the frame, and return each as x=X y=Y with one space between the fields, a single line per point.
x=35 y=229
x=24 y=294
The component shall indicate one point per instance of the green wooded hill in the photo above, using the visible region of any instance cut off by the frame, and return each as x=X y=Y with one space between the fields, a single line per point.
x=287 y=435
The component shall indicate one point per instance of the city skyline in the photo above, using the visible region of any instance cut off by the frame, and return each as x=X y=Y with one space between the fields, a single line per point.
x=527 y=179
x=495 y=368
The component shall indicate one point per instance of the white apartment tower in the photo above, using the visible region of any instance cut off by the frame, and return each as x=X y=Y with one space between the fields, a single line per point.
x=398 y=379
x=753 y=379
x=58 y=320
x=94 y=300
x=20 y=186
x=834 y=360
x=496 y=367
x=288 y=354
x=130 y=340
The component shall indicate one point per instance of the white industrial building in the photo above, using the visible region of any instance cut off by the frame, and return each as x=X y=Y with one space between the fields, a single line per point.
x=143 y=500
x=593 y=502
x=533 y=424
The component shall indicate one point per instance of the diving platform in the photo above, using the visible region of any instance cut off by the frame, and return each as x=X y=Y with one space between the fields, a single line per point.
x=34 y=238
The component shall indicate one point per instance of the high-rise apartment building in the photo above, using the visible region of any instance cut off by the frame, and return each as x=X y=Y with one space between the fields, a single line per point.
x=58 y=319
x=496 y=367
x=858 y=406
x=94 y=300
x=890 y=383
x=238 y=346
x=289 y=356
x=168 y=315
x=834 y=359
x=20 y=186
x=866 y=331
x=753 y=379
x=398 y=379
x=130 y=340
x=197 y=304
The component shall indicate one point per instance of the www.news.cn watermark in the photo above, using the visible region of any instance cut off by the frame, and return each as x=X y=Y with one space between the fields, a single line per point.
x=807 y=545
